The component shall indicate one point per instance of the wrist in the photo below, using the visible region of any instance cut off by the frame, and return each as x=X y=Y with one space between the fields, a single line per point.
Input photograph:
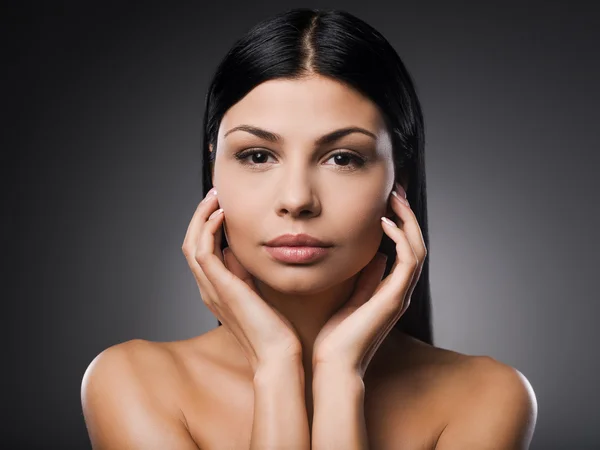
x=332 y=378
x=282 y=370
x=327 y=370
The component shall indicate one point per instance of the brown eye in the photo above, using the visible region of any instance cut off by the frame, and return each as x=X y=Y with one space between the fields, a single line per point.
x=344 y=157
x=258 y=156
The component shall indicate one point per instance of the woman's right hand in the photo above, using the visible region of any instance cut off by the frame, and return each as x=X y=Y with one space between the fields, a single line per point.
x=229 y=292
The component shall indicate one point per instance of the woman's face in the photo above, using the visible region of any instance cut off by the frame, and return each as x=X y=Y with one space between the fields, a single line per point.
x=294 y=185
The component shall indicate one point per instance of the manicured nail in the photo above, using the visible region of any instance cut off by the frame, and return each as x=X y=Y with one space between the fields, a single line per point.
x=400 y=190
x=389 y=222
x=210 y=193
x=402 y=199
x=215 y=213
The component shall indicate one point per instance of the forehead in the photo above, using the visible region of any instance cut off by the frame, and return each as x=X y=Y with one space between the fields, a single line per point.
x=303 y=108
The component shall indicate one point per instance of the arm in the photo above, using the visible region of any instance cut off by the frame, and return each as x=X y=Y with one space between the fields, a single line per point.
x=121 y=412
x=498 y=412
x=339 y=420
x=279 y=408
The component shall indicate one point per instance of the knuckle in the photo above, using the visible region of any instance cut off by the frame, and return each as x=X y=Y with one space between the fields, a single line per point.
x=201 y=257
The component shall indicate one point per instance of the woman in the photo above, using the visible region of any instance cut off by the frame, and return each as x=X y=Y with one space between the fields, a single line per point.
x=312 y=127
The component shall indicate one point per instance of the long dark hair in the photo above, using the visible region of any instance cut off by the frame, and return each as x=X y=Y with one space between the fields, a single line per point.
x=302 y=42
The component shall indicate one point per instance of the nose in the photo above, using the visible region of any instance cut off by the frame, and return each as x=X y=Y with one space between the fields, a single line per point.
x=296 y=196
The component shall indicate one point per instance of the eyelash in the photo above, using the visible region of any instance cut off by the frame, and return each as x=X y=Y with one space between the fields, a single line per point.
x=358 y=161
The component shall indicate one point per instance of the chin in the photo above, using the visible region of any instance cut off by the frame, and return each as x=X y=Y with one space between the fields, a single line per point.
x=303 y=279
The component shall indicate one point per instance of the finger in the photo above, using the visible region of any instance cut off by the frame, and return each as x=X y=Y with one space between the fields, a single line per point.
x=211 y=227
x=205 y=245
x=403 y=278
x=385 y=330
x=367 y=283
x=388 y=299
x=397 y=284
x=383 y=327
x=407 y=220
x=203 y=210
x=190 y=244
x=232 y=295
x=376 y=316
x=410 y=226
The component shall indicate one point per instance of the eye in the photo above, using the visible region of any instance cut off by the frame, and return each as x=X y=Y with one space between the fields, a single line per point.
x=244 y=155
x=342 y=157
x=355 y=160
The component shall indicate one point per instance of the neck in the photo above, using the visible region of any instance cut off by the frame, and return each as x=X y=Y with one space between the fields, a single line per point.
x=308 y=312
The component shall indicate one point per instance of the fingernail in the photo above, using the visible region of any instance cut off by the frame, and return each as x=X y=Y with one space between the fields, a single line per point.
x=215 y=213
x=402 y=199
x=400 y=190
x=389 y=222
x=213 y=191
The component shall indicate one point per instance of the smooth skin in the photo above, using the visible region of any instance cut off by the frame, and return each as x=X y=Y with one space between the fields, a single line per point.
x=311 y=357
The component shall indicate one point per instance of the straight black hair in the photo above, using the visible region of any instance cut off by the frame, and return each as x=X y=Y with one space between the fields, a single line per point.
x=302 y=42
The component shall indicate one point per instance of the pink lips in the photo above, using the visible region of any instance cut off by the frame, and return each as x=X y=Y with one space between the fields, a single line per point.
x=297 y=254
x=297 y=240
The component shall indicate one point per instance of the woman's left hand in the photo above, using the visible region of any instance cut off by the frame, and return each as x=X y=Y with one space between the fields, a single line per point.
x=353 y=334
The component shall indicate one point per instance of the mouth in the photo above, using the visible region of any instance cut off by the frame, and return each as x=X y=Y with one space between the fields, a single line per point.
x=297 y=254
x=297 y=240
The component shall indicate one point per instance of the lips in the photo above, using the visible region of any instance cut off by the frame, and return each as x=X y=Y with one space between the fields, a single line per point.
x=297 y=255
x=297 y=240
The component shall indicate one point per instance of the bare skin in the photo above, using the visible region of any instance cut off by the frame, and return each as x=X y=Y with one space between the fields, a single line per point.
x=198 y=393
x=412 y=389
x=415 y=372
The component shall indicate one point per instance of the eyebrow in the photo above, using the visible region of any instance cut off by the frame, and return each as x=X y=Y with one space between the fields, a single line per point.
x=323 y=140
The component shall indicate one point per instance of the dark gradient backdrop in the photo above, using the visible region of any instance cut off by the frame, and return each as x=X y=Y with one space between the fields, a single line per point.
x=103 y=111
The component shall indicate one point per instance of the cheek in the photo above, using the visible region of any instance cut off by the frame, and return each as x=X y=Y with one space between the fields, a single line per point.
x=239 y=229
x=357 y=219
x=357 y=230
x=244 y=227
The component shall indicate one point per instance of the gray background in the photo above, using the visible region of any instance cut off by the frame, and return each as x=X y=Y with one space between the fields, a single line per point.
x=104 y=109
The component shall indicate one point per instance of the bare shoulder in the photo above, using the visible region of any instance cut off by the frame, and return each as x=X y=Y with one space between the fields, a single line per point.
x=128 y=398
x=468 y=377
x=149 y=363
x=458 y=400
x=495 y=407
x=482 y=382
x=420 y=395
